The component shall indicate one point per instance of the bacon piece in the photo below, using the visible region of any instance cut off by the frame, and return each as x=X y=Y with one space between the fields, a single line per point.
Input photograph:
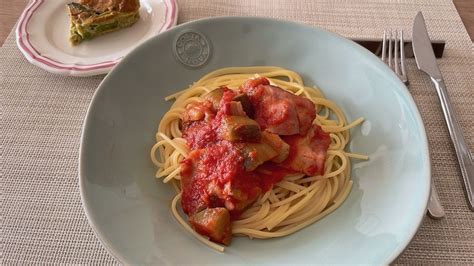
x=308 y=153
x=191 y=199
x=277 y=110
x=306 y=111
x=196 y=111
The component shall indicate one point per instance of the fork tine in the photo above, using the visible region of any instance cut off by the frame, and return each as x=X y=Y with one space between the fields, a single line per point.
x=390 y=49
x=396 y=57
x=393 y=53
x=384 y=46
x=402 y=55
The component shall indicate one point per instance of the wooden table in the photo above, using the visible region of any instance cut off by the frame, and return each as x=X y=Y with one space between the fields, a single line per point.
x=11 y=10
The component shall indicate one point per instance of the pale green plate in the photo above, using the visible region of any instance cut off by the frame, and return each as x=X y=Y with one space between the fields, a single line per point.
x=129 y=209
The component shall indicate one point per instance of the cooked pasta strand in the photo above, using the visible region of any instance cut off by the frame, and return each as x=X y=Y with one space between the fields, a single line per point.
x=295 y=202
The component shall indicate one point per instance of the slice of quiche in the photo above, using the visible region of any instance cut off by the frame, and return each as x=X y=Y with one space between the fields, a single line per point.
x=92 y=18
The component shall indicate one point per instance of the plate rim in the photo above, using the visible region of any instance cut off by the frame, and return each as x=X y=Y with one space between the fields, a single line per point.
x=398 y=250
x=34 y=56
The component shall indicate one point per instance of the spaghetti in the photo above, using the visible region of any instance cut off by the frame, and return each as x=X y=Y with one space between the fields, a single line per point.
x=291 y=204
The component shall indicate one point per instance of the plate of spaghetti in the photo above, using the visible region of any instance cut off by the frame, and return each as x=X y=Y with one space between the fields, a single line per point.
x=212 y=146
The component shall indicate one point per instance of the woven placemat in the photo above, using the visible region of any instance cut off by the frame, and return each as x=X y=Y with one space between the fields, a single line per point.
x=42 y=114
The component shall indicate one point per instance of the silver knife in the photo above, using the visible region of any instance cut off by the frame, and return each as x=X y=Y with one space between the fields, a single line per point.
x=426 y=62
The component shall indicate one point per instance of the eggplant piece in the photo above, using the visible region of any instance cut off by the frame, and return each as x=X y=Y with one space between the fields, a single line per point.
x=214 y=223
x=236 y=109
x=215 y=97
x=239 y=128
x=281 y=147
x=246 y=104
x=256 y=154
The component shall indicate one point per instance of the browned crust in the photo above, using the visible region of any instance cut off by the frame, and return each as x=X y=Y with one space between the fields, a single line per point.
x=112 y=5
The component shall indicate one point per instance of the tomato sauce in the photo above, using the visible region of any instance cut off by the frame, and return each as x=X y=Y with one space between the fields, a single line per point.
x=199 y=134
x=214 y=173
x=270 y=174
x=307 y=153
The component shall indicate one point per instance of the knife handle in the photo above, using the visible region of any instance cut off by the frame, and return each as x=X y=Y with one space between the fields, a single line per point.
x=459 y=142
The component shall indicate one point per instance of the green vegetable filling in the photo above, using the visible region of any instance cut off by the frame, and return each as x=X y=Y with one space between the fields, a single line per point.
x=84 y=31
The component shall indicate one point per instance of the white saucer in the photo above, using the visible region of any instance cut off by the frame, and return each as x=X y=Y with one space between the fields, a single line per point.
x=43 y=30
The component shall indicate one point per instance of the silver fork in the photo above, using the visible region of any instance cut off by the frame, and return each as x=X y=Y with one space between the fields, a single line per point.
x=393 y=54
x=396 y=62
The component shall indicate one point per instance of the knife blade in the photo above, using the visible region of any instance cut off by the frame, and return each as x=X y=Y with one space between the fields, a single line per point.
x=424 y=55
x=426 y=61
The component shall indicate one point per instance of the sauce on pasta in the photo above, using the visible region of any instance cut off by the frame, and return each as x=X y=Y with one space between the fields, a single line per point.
x=253 y=151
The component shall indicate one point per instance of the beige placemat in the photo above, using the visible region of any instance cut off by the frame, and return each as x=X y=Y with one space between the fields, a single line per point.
x=42 y=114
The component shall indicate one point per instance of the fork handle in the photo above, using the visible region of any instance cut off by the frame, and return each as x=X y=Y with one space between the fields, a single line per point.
x=459 y=142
